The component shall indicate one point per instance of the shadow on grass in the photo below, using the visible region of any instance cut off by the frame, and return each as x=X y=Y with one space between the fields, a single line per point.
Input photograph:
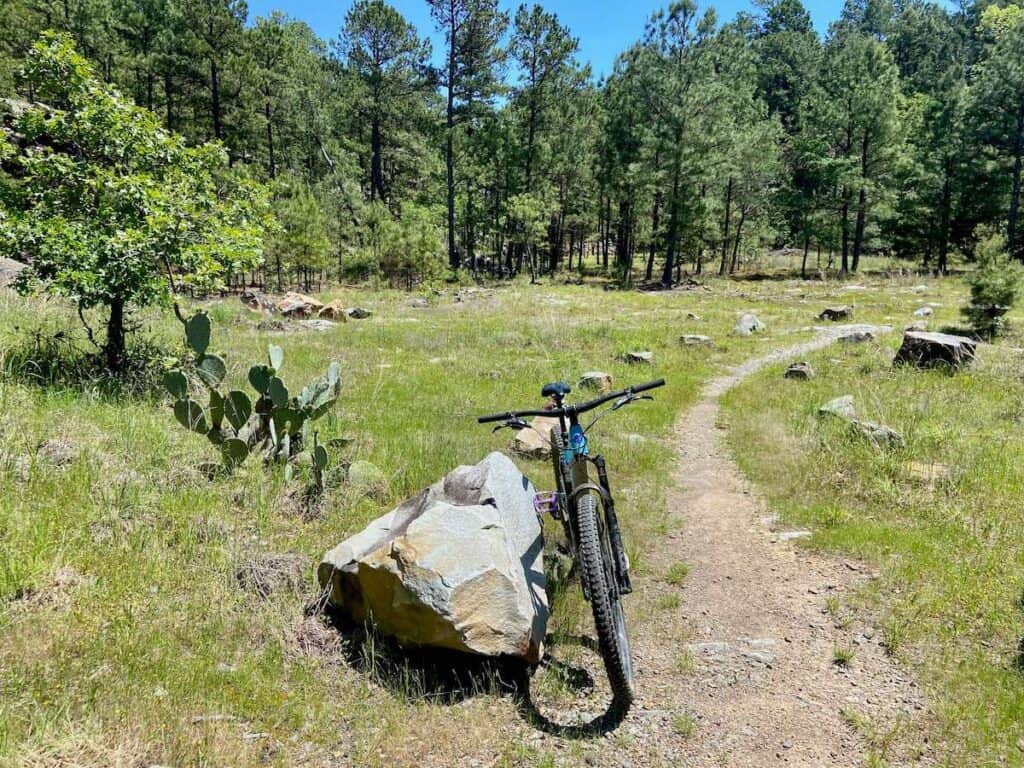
x=450 y=677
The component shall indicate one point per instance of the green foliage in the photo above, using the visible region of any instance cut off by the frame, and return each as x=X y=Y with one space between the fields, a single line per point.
x=995 y=287
x=113 y=209
x=406 y=249
x=276 y=424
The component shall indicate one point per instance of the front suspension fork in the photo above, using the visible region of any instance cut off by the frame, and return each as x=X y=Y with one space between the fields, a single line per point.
x=614 y=533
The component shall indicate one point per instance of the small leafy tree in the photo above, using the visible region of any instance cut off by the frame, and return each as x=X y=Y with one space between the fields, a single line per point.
x=112 y=211
x=995 y=286
x=300 y=244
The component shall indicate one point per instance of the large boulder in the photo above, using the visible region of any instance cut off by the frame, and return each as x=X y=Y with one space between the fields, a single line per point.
x=335 y=310
x=9 y=271
x=460 y=566
x=298 y=305
x=930 y=350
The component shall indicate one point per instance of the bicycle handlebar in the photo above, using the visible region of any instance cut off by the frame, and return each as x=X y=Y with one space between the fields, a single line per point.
x=567 y=410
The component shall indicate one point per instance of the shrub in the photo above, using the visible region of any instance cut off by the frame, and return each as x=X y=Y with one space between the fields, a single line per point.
x=995 y=285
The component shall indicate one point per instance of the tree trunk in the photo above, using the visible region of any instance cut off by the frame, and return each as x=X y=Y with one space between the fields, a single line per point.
x=725 y=226
x=845 y=226
x=449 y=149
x=862 y=203
x=947 y=197
x=215 y=99
x=1018 y=152
x=376 y=164
x=673 y=225
x=737 y=241
x=807 y=247
x=271 y=164
x=114 y=349
x=655 y=211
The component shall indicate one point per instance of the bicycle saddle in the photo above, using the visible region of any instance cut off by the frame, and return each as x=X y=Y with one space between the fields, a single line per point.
x=557 y=389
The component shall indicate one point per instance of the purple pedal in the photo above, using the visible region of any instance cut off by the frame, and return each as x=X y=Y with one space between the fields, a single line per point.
x=545 y=502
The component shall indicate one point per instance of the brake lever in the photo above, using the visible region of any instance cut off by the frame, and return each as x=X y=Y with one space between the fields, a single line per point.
x=627 y=399
x=511 y=424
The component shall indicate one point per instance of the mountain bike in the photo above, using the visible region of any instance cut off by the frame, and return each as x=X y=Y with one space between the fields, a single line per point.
x=594 y=537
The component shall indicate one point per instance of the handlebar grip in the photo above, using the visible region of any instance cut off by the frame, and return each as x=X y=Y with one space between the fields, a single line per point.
x=649 y=385
x=494 y=417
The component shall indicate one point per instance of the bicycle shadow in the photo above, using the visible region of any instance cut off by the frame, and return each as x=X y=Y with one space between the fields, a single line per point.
x=451 y=677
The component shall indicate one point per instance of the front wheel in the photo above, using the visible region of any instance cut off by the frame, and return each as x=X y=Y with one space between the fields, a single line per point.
x=598 y=570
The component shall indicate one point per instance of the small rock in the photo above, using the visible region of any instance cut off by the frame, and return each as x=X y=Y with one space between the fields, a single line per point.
x=792 y=535
x=257 y=301
x=880 y=435
x=835 y=314
x=924 y=312
x=692 y=316
x=58 y=451
x=419 y=303
x=317 y=324
x=929 y=474
x=842 y=407
x=696 y=340
x=358 y=313
x=639 y=357
x=799 y=371
x=749 y=324
x=596 y=380
x=857 y=337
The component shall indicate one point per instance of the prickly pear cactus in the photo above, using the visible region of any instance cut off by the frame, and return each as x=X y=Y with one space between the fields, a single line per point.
x=274 y=423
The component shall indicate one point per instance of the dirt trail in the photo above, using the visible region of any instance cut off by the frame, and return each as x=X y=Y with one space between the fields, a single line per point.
x=759 y=682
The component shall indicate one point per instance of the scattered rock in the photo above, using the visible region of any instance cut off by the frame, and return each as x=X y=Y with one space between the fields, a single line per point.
x=799 y=371
x=270 y=573
x=358 y=313
x=9 y=271
x=298 y=305
x=793 y=535
x=919 y=288
x=419 y=303
x=335 y=310
x=596 y=380
x=749 y=324
x=842 y=407
x=58 y=452
x=460 y=566
x=880 y=435
x=835 y=314
x=929 y=350
x=692 y=316
x=368 y=479
x=639 y=357
x=696 y=340
x=929 y=474
x=857 y=337
x=258 y=301
x=924 y=312
x=317 y=324
x=535 y=441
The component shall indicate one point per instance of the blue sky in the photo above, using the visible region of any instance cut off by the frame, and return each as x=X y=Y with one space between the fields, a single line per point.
x=605 y=28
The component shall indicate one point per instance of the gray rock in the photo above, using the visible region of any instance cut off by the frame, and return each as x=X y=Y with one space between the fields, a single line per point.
x=749 y=324
x=880 y=435
x=930 y=350
x=596 y=380
x=693 y=316
x=638 y=357
x=358 y=313
x=835 y=314
x=799 y=371
x=842 y=407
x=316 y=325
x=419 y=303
x=857 y=337
x=696 y=340
x=9 y=271
x=924 y=312
x=460 y=566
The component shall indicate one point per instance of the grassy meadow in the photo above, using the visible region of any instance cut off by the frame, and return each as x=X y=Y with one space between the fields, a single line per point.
x=124 y=636
x=942 y=520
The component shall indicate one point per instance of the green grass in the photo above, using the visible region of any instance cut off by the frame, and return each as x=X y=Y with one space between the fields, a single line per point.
x=942 y=520
x=138 y=660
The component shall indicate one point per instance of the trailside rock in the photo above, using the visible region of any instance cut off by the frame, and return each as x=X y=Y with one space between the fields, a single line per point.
x=358 y=313
x=799 y=371
x=924 y=312
x=460 y=566
x=835 y=314
x=596 y=380
x=842 y=407
x=857 y=337
x=638 y=357
x=879 y=434
x=929 y=350
x=535 y=441
x=749 y=324
x=696 y=340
